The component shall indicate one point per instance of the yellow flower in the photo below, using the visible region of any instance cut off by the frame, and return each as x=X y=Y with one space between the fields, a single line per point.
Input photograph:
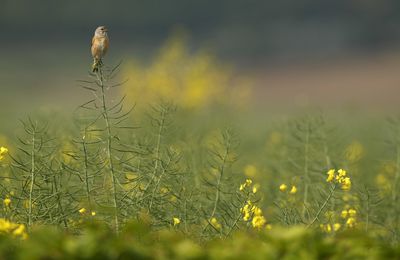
x=3 y=151
x=336 y=226
x=82 y=210
x=215 y=224
x=351 y=222
x=346 y=183
x=12 y=228
x=352 y=212
x=293 y=190
x=7 y=202
x=255 y=189
x=249 y=182
x=344 y=214
x=268 y=227
x=328 y=228
x=19 y=230
x=246 y=212
x=258 y=222
x=176 y=221
x=257 y=211
x=283 y=187
x=331 y=175
x=93 y=213
x=342 y=173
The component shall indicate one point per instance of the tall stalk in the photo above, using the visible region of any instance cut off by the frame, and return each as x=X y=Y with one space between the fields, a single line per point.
x=32 y=182
x=306 y=170
x=110 y=162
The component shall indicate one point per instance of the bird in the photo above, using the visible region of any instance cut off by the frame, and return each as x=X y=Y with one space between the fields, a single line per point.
x=100 y=44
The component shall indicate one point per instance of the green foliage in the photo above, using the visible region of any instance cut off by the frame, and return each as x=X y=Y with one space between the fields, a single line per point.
x=192 y=188
x=137 y=241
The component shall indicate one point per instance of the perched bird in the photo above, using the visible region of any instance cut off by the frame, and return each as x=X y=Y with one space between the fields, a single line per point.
x=100 y=44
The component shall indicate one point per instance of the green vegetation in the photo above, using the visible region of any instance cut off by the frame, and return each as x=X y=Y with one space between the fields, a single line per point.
x=173 y=179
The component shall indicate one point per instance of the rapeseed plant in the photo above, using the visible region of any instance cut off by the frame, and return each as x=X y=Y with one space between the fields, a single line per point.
x=178 y=74
x=14 y=229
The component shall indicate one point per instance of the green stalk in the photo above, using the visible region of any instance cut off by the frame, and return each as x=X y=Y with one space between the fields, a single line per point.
x=109 y=148
x=323 y=206
x=32 y=178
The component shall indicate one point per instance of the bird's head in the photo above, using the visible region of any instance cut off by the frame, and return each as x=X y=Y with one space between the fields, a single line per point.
x=101 y=31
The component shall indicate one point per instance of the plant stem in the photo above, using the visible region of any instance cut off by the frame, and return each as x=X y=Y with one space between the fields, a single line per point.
x=32 y=178
x=306 y=178
x=109 y=148
x=323 y=206
x=86 y=171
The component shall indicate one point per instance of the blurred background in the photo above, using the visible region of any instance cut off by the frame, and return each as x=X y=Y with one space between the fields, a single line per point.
x=293 y=53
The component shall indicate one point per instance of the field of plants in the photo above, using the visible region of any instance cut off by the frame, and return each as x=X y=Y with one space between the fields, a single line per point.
x=171 y=160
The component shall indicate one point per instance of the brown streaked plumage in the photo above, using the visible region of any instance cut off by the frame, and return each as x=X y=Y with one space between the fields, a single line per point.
x=100 y=44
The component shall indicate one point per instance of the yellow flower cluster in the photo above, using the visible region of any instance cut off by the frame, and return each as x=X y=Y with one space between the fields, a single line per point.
x=329 y=228
x=214 y=222
x=252 y=211
x=176 y=221
x=7 y=202
x=83 y=211
x=350 y=217
x=17 y=230
x=339 y=177
x=354 y=152
x=283 y=187
x=178 y=74
x=3 y=151
x=247 y=184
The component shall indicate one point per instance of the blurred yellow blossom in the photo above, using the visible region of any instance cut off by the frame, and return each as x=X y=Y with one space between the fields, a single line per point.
x=336 y=226
x=3 y=151
x=82 y=210
x=256 y=187
x=93 y=213
x=191 y=80
x=7 y=202
x=383 y=182
x=176 y=221
x=250 y=171
x=354 y=152
x=351 y=222
x=283 y=187
x=293 y=190
x=352 y=212
x=214 y=222
x=17 y=230
x=258 y=222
